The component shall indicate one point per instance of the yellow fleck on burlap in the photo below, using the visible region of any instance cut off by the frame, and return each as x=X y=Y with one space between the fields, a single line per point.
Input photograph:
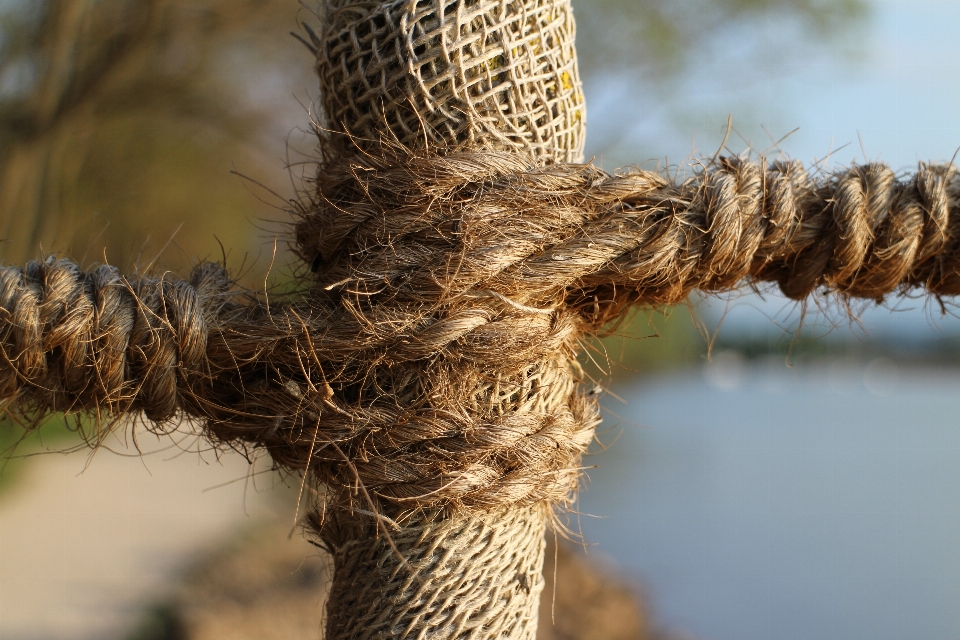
x=479 y=74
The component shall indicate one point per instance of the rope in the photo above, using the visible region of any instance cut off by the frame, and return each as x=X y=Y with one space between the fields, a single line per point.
x=434 y=227
x=76 y=341
x=434 y=359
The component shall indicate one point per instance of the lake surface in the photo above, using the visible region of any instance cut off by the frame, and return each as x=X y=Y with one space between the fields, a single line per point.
x=758 y=502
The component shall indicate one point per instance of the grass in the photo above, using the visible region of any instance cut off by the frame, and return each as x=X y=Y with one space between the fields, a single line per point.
x=19 y=446
x=648 y=342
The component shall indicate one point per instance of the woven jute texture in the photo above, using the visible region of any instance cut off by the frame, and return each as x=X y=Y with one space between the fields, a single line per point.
x=464 y=577
x=483 y=74
x=458 y=259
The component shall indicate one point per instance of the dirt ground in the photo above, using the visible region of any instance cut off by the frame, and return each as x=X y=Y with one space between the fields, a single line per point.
x=268 y=585
x=87 y=545
x=84 y=543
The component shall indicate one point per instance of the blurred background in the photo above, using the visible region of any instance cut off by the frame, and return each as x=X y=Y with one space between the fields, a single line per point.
x=774 y=470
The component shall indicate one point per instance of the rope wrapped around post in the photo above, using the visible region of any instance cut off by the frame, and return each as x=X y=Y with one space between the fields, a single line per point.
x=459 y=254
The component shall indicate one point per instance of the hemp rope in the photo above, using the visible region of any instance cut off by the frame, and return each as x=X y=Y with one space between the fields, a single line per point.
x=459 y=258
x=470 y=316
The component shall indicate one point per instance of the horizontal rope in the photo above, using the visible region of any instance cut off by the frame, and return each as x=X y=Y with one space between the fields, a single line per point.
x=433 y=359
x=532 y=233
x=75 y=341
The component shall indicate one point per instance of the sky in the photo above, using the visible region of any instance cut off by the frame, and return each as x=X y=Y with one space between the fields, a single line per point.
x=898 y=92
x=896 y=99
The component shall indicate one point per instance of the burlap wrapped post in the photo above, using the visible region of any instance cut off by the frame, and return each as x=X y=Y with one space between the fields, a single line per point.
x=427 y=380
x=472 y=577
x=477 y=74
x=453 y=75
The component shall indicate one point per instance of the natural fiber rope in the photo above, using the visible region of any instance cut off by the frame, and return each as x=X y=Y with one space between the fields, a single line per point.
x=428 y=376
x=433 y=359
x=466 y=578
x=100 y=341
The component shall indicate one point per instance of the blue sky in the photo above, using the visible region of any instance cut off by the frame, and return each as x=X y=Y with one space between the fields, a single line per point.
x=897 y=99
x=900 y=93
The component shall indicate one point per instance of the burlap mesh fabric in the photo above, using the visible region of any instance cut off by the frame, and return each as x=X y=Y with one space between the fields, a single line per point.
x=467 y=578
x=457 y=261
x=449 y=75
x=483 y=74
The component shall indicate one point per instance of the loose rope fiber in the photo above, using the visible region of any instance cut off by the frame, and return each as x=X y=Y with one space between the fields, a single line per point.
x=434 y=357
x=466 y=577
x=459 y=257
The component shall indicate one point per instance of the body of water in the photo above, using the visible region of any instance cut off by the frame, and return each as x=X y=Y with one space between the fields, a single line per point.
x=760 y=502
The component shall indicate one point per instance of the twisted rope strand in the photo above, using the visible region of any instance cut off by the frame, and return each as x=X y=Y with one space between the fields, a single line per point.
x=73 y=341
x=862 y=232
x=437 y=347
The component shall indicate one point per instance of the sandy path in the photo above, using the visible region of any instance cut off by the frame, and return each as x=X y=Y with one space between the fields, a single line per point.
x=82 y=550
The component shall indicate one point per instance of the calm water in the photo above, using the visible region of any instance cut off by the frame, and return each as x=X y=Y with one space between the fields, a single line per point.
x=763 y=502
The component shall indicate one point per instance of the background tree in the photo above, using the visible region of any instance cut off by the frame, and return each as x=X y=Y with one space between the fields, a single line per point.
x=121 y=120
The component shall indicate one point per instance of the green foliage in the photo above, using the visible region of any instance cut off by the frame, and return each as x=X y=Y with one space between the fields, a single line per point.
x=659 y=39
x=121 y=120
x=18 y=444
x=648 y=341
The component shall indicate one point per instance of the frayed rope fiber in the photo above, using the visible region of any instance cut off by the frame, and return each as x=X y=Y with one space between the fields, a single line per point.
x=433 y=359
x=460 y=255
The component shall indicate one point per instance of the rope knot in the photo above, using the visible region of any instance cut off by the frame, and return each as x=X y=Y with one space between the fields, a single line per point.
x=433 y=362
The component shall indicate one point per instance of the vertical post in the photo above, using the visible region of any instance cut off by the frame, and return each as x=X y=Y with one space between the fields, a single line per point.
x=446 y=75
x=466 y=576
